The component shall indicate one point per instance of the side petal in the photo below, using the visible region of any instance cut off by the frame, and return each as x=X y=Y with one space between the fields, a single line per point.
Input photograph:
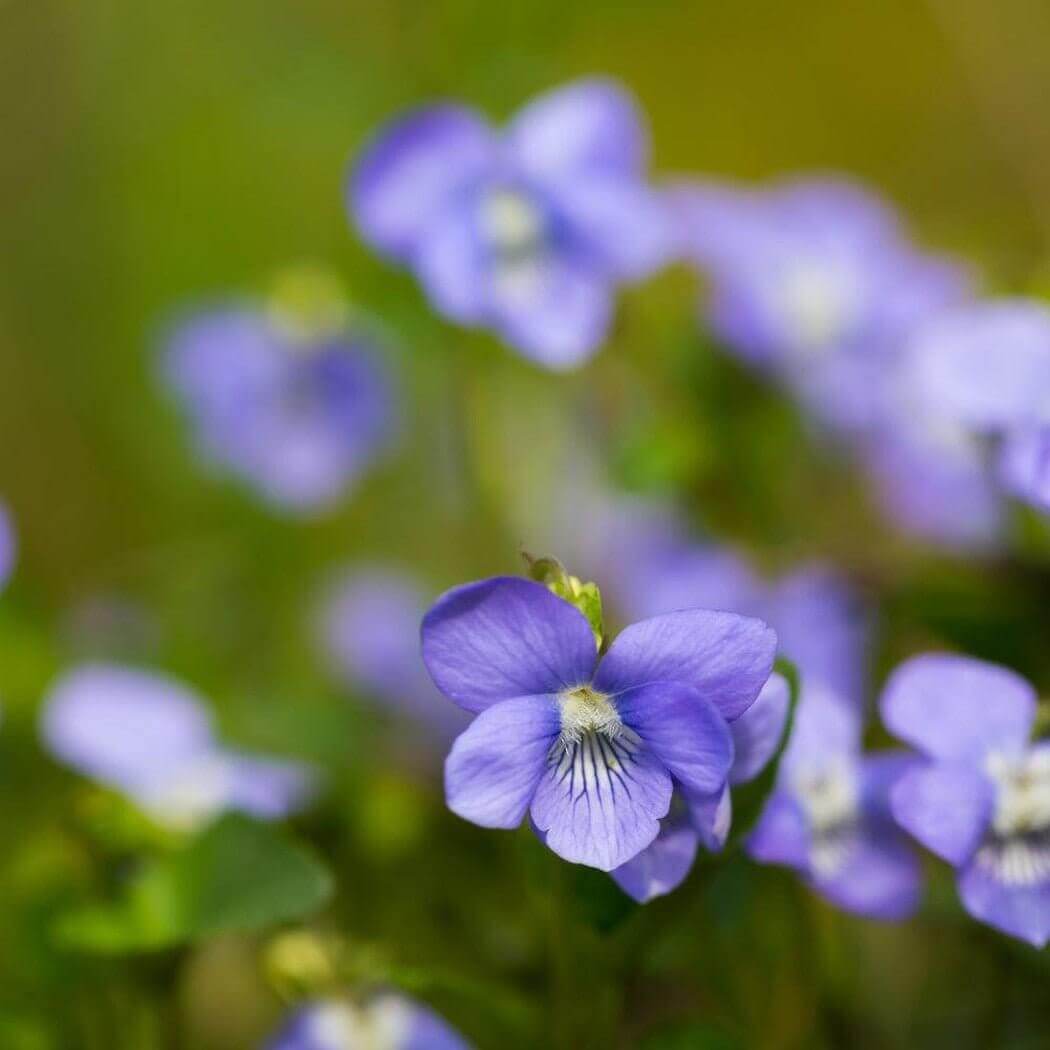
x=448 y=262
x=624 y=225
x=505 y=637
x=590 y=124
x=880 y=878
x=1019 y=908
x=662 y=866
x=957 y=707
x=683 y=731
x=712 y=817
x=494 y=766
x=725 y=657
x=411 y=170
x=946 y=806
x=600 y=801
x=124 y=727
x=781 y=835
x=757 y=732
x=1024 y=464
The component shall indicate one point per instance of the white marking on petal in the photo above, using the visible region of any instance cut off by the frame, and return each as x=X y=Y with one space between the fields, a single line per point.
x=1022 y=783
x=1018 y=861
x=819 y=304
x=830 y=798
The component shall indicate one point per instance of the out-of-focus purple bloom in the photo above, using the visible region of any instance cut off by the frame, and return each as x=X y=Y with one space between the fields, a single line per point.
x=370 y=629
x=982 y=801
x=828 y=817
x=705 y=819
x=526 y=231
x=587 y=747
x=814 y=281
x=385 y=1022
x=987 y=367
x=300 y=416
x=151 y=738
x=8 y=546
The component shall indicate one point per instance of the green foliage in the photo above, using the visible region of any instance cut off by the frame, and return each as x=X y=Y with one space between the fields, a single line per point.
x=238 y=875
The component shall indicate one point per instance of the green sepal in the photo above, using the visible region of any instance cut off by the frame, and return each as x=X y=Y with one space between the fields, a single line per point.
x=584 y=596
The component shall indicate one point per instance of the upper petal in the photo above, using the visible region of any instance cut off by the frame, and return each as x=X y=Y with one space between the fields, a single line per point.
x=662 y=866
x=505 y=637
x=592 y=123
x=412 y=169
x=683 y=730
x=494 y=766
x=946 y=806
x=757 y=732
x=957 y=707
x=124 y=727
x=726 y=657
x=600 y=800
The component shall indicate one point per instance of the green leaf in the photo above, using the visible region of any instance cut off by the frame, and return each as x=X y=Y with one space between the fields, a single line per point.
x=750 y=799
x=237 y=875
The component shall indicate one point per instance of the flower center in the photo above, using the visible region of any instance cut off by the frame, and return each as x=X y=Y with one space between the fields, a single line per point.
x=1022 y=803
x=829 y=797
x=380 y=1025
x=584 y=711
x=818 y=303
x=512 y=226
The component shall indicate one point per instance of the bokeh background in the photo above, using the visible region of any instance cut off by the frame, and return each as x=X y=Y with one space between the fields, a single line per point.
x=163 y=154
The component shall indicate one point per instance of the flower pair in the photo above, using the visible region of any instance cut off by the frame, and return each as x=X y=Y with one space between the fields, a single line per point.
x=590 y=746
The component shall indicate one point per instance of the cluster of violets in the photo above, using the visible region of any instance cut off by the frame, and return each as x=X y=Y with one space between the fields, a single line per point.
x=623 y=753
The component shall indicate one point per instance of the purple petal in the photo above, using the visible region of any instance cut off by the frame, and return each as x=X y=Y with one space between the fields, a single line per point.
x=879 y=772
x=623 y=224
x=556 y=312
x=600 y=802
x=957 y=707
x=591 y=124
x=505 y=637
x=1019 y=908
x=880 y=878
x=781 y=835
x=268 y=788
x=683 y=730
x=725 y=657
x=946 y=806
x=662 y=866
x=494 y=766
x=987 y=365
x=757 y=732
x=123 y=727
x=412 y=170
x=712 y=817
x=449 y=263
x=825 y=726
x=8 y=545
x=1024 y=464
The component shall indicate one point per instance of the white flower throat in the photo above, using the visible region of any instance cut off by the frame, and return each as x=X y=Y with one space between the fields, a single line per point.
x=585 y=711
x=818 y=304
x=830 y=797
x=1017 y=851
x=514 y=232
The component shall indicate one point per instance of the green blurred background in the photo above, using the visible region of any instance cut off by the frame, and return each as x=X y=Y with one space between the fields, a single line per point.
x=159 y=153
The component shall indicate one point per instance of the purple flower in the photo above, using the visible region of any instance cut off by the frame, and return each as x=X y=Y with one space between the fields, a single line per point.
x=828 y=817
x=299 y=416
x=151 y=738
x=982 y=801
x=526 y=231
x=704 y=819
x=370 y=631
x=987 y=367
x=814 y=281
x=8 y=546
x=590 y=748
x=385 y=1022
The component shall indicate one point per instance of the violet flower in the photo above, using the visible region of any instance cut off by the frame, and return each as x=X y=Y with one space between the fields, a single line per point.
x=829 y=819
x=987 y=367
x=526 y=231
x=150 y=738
x=705 y=819
x=299 y=414
x=587 y=746
x=814 y=281
x=8 y=546
x=385 y=1022
x=982 y=801
x=369 y=627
